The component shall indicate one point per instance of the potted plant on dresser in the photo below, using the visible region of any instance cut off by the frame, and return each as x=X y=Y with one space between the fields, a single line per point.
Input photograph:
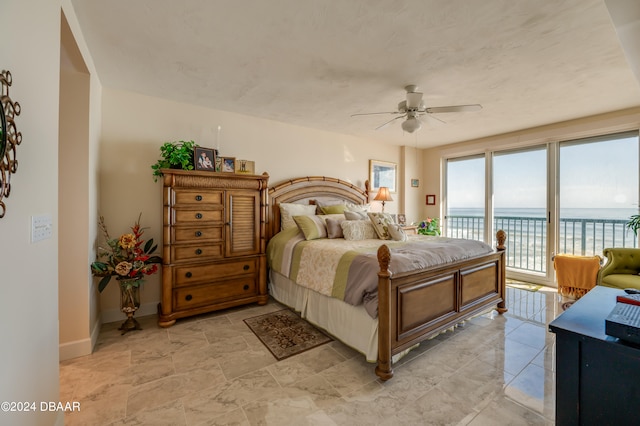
x=175 y=155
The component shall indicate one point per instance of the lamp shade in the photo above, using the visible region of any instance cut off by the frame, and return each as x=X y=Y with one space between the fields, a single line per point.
x=383 y=194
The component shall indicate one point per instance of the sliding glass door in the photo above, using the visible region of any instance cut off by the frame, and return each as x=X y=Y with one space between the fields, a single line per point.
x=465 y=198
x=598 y=192
x=520 y=206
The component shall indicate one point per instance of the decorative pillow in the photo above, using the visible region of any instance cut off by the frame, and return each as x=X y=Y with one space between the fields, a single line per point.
x=311 y=226
x=397 y=233
x=334 y=230
x=381 y=223
x=288 y=210
x=340 y=217
x=358 y=207
x=356 y=211
x=355 y=215
x=355 y=230
x=334 y=209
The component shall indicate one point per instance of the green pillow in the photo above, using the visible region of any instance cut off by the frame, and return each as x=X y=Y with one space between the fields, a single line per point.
x=335 y=209
x=312 y=227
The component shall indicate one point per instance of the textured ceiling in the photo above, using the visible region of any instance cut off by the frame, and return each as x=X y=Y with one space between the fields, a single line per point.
x=314 y=63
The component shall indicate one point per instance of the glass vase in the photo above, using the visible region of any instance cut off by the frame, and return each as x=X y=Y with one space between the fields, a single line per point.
x=129 y=302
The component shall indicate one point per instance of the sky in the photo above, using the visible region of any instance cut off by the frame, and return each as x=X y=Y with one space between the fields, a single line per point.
x=600 y=174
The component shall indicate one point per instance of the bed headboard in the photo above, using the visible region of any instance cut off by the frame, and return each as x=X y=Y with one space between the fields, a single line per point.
x=305 y=190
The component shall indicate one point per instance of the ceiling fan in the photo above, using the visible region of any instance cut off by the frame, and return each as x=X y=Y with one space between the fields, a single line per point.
x=414 y=107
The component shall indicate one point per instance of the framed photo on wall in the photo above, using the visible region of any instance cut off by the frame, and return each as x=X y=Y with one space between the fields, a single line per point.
x=431 y=200
x=383 y=173
x=204 y=159
x=415 y=183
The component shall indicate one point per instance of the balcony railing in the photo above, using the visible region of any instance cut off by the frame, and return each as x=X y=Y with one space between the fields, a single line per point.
x=527 y=237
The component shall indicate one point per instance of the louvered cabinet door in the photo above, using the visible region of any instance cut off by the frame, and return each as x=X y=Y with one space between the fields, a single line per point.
x=242 y=223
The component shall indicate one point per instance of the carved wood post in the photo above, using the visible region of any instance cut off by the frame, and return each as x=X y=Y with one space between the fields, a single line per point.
x=383 y=369
x=501 y=237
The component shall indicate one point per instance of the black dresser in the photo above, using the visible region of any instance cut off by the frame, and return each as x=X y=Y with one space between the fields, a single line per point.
x=597 y=376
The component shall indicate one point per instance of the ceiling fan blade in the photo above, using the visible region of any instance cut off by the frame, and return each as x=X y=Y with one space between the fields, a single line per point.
x=432 y=120
x=414 y=99
x=375 y=113
x=388 y=122
x=455 y=108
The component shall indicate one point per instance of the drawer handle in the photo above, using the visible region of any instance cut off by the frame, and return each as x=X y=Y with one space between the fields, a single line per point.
x=198 y=197
x=198 y=215
x=246 y=287
x=246 y=267
x=198 y=251
x=188 y=275
x=198 y=233
x=188 y=297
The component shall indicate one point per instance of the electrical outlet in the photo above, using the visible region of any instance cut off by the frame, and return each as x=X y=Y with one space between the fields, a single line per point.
x=41 y=227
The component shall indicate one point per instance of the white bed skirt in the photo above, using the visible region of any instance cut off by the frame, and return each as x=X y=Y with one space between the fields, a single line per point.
x=350 y=324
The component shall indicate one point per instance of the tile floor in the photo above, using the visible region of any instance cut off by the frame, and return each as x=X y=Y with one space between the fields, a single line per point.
x=211 y=370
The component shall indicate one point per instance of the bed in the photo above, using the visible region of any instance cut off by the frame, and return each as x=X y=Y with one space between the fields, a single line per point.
x=412 y=304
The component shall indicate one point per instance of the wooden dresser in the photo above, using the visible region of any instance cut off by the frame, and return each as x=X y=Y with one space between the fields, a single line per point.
x=214 y=242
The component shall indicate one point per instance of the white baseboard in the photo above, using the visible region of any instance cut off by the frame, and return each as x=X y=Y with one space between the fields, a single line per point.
x=75 y=349
x=114 y=315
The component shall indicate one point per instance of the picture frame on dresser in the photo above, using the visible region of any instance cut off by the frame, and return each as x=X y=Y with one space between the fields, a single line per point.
x=204 y=159
x=228 y=165
x=245 y=167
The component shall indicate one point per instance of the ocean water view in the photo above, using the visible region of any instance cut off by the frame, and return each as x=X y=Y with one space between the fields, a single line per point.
x=581 y=231
x=573 y=213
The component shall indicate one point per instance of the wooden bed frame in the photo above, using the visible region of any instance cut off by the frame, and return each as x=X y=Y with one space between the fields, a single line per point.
x=412 y=306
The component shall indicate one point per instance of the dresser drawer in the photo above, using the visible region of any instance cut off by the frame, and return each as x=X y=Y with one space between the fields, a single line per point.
x=196 y=252
x=207 y=294
x=196 y=196
x=190 y=216
x=187 y=275
x=196 y=234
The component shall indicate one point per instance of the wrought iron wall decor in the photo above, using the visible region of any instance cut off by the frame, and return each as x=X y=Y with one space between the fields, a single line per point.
x=10 y=138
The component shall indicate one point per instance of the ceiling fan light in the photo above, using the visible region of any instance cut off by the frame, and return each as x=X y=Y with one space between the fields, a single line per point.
x=410 y=125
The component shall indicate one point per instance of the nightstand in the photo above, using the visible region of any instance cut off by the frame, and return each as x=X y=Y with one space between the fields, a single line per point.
x=410 y=230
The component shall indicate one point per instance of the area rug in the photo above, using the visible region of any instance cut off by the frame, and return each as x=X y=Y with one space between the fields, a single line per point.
x=285 y=334
x=524 y=286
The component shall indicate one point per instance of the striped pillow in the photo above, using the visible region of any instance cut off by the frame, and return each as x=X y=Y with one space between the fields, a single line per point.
x=312 y=227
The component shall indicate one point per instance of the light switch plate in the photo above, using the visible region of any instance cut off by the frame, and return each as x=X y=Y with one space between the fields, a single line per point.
x=41 y=227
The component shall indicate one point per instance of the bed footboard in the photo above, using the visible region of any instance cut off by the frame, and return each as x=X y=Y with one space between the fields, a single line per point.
x=414 y=306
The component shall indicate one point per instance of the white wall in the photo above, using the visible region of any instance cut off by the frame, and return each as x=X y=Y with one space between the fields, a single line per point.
x=134 y=127
x=78 y=149
x=29 y=271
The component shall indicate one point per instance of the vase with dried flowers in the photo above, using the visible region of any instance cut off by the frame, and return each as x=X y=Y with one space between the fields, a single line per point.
x=129 y=259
